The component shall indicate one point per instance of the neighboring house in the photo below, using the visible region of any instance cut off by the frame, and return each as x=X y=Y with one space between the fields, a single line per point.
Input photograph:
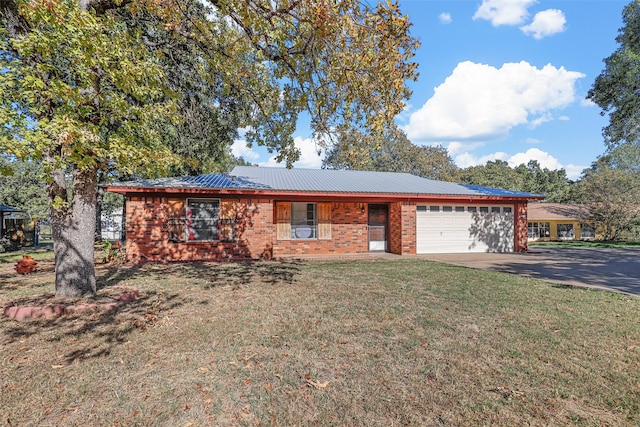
x=112 y=225
x=264 y=213
x=558 y=221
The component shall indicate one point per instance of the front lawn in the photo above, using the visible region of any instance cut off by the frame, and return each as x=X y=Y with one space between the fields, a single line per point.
x=352 y=342
x=585 y=244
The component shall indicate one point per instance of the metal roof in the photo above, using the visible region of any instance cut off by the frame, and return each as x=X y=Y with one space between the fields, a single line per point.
x=4 y=208
x=349 y=181
x=322 y=181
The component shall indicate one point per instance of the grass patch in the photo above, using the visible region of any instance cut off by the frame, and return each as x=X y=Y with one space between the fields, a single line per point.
x=39 y=254
x=585 y=244
x=360 y=342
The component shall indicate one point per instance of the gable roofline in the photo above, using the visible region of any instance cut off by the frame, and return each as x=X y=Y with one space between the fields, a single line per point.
x=317 y=182
x=558 y=211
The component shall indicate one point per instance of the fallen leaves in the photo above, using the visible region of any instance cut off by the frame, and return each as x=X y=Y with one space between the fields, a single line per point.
x=315 y=384
x=318 y=384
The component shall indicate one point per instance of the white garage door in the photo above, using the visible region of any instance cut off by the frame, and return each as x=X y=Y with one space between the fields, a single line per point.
x=455 y=229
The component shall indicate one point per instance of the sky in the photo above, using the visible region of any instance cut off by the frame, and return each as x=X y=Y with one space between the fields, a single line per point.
x=501 y=79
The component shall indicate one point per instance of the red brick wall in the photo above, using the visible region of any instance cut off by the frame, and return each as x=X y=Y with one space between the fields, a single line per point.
x=349 y=234
x=402 y=228
x=521 y=232
x=148 y=234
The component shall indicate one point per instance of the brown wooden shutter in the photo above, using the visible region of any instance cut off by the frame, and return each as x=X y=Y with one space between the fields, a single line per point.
x=283 y=221
x=227 y=220
x=324 y=221
x=176 y=208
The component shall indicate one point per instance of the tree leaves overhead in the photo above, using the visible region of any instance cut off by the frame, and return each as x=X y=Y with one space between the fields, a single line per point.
x=617 y=89
x=345 y=63
x=81 y=91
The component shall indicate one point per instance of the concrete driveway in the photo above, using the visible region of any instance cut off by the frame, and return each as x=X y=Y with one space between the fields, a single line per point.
x=613 y=269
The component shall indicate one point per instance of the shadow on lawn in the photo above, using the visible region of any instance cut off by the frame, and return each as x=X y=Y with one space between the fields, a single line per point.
x=96 y=333
x=210 y=275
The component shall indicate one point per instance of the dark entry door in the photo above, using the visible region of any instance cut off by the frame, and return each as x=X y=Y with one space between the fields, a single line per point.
x=378 y=216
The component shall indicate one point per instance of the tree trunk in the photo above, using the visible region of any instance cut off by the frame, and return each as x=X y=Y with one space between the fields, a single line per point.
x=73 y=225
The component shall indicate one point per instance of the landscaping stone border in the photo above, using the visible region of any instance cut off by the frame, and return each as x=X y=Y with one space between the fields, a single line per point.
x=17 y=312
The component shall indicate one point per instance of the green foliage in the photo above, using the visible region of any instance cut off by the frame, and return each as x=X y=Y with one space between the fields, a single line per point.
x=495 y=173
x=80 y=91
x=553 y=183
x=530 y=178
x=611 y=190
x=112 y=253
x=210 y=115
x=344 y=63
x=394 y=153
x=23 y=186
x=617 y=89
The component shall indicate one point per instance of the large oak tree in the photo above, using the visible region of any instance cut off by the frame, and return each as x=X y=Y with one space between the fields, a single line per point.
x=617 y=89
x=87 y=87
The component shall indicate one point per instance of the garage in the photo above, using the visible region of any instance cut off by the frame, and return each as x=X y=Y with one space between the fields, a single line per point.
x=468 y=228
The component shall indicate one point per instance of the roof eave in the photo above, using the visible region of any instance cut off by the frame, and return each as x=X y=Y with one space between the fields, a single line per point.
x=319 y=194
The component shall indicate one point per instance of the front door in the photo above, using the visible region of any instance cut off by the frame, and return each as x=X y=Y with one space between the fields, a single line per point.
x=378 y=215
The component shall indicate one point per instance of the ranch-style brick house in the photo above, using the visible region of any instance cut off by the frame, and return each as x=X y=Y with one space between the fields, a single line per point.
x=264 y=213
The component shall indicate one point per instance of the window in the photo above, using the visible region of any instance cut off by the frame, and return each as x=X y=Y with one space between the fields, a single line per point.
x=459 y=208
x=472 y=209
x=587 y=231
x=202 y=219
x=421 y=208
x=507 y=209
x=565 y=231
x=304 y=221
x=484 y=209
x=447 y=209
x=495 y=209
x=434 y=208
x=539 y=230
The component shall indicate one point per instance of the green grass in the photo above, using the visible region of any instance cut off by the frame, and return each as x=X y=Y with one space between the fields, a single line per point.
x=360 y=342
x=39 y=254
x=585 y=244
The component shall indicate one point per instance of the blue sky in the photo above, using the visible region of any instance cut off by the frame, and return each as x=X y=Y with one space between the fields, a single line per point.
x=502 y=79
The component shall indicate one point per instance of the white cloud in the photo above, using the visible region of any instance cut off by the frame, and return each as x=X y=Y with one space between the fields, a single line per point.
x=504 y=12
x=546 y=117
x=545 y=159
x=445 y=18
x=240 y=149
x=309 y=157
x=587 y=103
x=574 y=171
x=456 y=147
x=532 y=141
x=465 y=160
x=545 y=23
x=479 y=101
